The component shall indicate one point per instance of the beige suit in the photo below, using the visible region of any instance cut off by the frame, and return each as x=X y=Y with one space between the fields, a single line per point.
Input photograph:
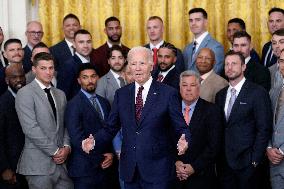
x=211 y=85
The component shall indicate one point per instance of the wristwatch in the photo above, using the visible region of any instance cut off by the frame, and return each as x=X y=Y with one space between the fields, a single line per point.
x=254 y=164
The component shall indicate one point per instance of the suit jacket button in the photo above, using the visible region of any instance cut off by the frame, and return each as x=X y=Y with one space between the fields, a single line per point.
x=137 y=133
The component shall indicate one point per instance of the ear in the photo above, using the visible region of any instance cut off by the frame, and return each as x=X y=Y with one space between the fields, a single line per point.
x=105 y=31
x=33 y=69
x=244 y=66
x=4 y=54
x=7 y=80
x=79 y=81
x=175 y=59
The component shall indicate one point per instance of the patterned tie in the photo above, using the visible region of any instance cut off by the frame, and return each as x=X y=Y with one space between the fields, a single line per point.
x=193 y=50
x=231 y=102
x=121 y=81
x=51 y=101
x=160 y=78
x=139 y=104
x=155 y=56
x=96 y=106
x=186 y=114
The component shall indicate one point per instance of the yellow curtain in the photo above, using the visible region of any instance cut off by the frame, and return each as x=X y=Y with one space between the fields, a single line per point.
x=133 y=15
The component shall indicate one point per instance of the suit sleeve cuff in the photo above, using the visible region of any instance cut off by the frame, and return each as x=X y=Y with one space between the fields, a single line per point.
x=56 y=152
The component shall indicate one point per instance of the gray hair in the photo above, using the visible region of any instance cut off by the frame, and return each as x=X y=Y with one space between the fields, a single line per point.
x=140 y=49
x=188 y=73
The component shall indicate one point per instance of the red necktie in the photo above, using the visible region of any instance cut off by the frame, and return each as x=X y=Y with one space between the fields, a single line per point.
x=139 y=104
x=155 y=56
x=160 y=78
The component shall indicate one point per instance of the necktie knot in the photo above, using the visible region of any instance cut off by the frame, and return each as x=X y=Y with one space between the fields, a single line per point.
x=233 y=91
x=140 y=89
x=47 y=90
x=195 y=43
x=160 y=77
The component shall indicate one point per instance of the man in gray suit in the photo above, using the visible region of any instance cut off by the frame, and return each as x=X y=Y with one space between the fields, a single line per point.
x=198 y=24
x=113 y=80
x=40 y=108
x=211 y=82
x=275 y=149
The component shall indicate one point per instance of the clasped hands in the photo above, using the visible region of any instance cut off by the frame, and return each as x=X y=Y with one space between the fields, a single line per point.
x=183 y=170
x=61 y=155
x=274 y=155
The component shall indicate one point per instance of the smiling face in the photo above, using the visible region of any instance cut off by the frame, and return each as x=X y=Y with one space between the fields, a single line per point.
x=205 y=61
x=88 y=80
x=34 y=33
x=70 y=26
x=140 y=65
x=83 y=44
x=116 y=61
x=14 y=53
x=166 y=58
x=197 y=23
x=275 y=22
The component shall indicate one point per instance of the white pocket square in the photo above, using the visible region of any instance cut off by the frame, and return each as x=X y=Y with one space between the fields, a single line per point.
x=243 y=103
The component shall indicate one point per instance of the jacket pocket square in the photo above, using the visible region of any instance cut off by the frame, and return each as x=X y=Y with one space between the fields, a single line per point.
x=243 y=103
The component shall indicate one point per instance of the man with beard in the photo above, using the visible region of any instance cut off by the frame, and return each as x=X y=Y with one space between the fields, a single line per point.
x=67 y=72
x=34 y=34
x=14 y=53
x=12 y=138
x=64 y=50
x=167 y=72
x=86 y=113
x=113 y=32
x=248 y=121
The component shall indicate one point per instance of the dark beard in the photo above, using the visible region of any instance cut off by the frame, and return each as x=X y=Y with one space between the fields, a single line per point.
x=164 y=70
x=114 y=40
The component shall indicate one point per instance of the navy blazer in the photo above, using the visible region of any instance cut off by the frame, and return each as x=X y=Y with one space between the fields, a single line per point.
x=248 y=128
x=67 y=76
x=179 y=62
x=171 y=79
x=12 y=138
x=150 y=144
x=60 y=52
x=267 y=48
x=27 y=63
x=81 y=120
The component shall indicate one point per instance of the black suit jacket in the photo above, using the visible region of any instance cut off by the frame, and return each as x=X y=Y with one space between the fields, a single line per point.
x=248 y=128
x=67 y=76
x=267 y=49
x=60 y=52
x=179 y=62
x=12 y=138
x=27 y=63
x=258 y=74
x=3 y=84
x=206 y=128
x=171 y=79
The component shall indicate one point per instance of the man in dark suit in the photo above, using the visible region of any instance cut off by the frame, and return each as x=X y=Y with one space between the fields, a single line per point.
x=196 y=169
x=14 y=53
x=235 y=25
x=155 y=30
x=34 y=34
x=67 y=72
x=149 y=114
x=275 y=22
x=99 y=56
x=198 y=25
x=64 y=50
x=84 y=116
x=12 y=138
x=255 y=72
x=167 y=72
x=248 y=123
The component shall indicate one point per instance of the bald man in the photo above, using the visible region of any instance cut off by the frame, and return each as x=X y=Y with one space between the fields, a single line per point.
x=11 y=136
x=211 y=82
x=34 y=34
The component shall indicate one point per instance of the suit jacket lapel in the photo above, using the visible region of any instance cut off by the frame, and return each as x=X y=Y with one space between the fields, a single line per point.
x=112 y=80
x=150 y=101
x=202 y=45
x=131 y=102
x=196 y=116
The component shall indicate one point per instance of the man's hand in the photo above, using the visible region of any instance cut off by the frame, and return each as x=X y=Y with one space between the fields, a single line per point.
x=9 y=176
x=61 y=155
x=182 y=145
x=180 y=170
x=274 y=155
x=88 y=144
x=189 y=169
x=107 y=161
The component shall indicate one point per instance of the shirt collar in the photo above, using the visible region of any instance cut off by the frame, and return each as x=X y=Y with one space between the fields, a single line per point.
x=82 y=58
x=116 y=76
x=30 y=47
x=88 y=95
x=110 y=45
x=200 y=38
x=191 y=106
x=238 y=87
x=156 y=46
x=42 y=86
x=166 y=72
x=68 y=43
x=204 y=76
x=247 y=59
x=146 y=85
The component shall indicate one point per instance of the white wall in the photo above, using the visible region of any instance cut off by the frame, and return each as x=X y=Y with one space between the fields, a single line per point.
x=14 y=15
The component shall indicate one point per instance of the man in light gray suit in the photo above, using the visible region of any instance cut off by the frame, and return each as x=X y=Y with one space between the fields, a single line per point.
x=198 y=24
x=275 y=149
x=113 y=80
x=40 y=108
x=211 y=82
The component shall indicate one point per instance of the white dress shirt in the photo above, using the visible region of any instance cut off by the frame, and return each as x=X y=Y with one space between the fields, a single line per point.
x=145 y=91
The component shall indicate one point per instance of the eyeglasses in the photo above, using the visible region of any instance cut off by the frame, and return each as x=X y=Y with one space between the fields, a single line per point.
x=35 y=33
